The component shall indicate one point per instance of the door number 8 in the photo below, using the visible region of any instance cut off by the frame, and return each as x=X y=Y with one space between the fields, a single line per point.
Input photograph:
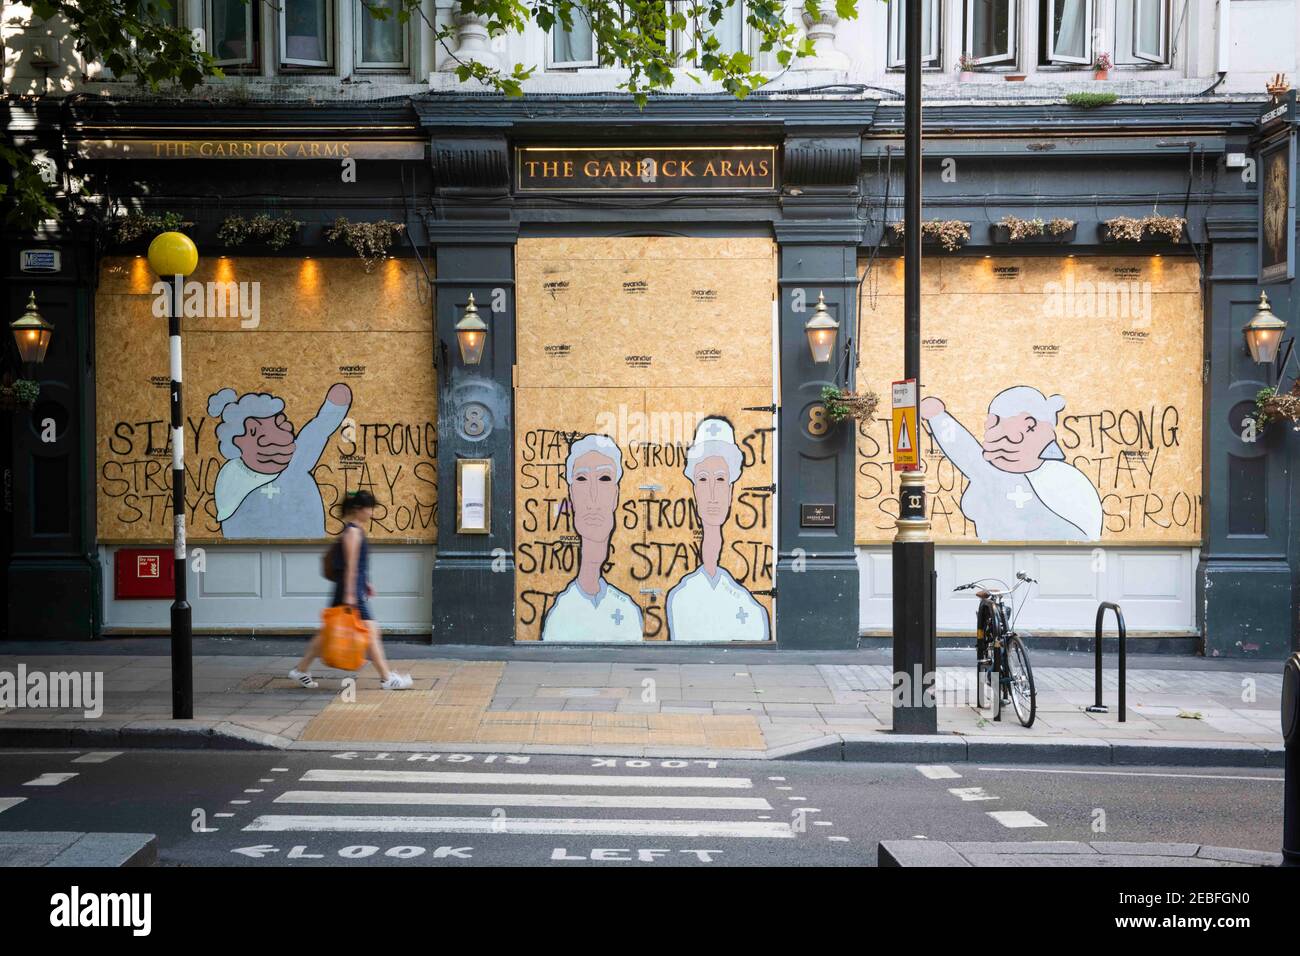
x=818 y=423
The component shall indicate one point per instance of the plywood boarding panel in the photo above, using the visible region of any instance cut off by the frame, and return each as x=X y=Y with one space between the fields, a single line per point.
x=646 y=311
x=345 y=356
x=1111 y=349
x=702 y=314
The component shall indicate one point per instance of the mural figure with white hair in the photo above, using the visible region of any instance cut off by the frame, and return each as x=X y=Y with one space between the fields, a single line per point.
x=708 y=604
x=590 y=608
x=266 y=488
x=1020 y=486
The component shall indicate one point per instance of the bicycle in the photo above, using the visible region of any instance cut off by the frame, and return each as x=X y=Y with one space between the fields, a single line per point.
x=999 y=650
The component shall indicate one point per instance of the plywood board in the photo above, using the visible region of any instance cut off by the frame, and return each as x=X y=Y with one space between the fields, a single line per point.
x=1094 y=364
x=652 y=415
x=344 y=356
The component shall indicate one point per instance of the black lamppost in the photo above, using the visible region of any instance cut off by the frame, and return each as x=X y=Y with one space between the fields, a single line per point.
x=915 y=655
x=173 y=256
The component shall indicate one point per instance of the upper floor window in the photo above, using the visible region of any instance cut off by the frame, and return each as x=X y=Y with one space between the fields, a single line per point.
x=991 y=31
x=931 y=20
x=1142 y=31
x=381 y=44
x=164 y=11
x=1065 y=31
x=306 y=32
x=731 y=31
x=233 y=32
x=576 y=47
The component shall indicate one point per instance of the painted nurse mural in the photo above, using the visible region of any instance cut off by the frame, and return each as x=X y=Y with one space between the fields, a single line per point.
x=708 y=604
x=266 y=489
x=1021 y=488
x=590 y=608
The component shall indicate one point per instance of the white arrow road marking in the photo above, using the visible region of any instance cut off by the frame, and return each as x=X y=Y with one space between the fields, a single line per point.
x=649 y=802
x=938 y=772
x=50 y=780
x=523 y=779
x=1016 y=819
x=256 y=852
x=971 y=793
x=7 y=802
x=98 y=756
x=519 y=826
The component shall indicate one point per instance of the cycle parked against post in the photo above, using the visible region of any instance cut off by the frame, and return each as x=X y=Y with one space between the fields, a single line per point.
x=1002 y=660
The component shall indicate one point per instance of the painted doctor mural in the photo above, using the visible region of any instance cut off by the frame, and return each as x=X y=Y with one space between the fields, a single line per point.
x=708 y=604
x=590 y=608
x=266 y=489
x=1021 y=488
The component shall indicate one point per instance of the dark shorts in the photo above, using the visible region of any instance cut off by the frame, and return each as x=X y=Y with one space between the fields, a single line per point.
x=364 y=608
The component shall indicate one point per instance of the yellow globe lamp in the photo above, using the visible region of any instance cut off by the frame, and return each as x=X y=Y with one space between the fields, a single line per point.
x=173 y=254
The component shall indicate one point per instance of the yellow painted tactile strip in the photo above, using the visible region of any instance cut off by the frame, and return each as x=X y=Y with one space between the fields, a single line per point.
x=454 y=710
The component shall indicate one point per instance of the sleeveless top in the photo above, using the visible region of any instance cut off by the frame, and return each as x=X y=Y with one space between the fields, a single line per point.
x=363 y=569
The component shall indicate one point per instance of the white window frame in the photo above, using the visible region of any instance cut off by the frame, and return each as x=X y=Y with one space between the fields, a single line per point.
x=358 y=37
x=331 y=37
x=1013 y=30
x=896 y=28
x=250 y=10
x=1050 y=56
x=1162 y=54
x=553 y=64
x=689 y=38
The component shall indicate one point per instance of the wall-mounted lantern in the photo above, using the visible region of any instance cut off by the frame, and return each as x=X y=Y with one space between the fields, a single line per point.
x=822 y=331
x=471 y=333
x=1264 y=333
x=32 y=333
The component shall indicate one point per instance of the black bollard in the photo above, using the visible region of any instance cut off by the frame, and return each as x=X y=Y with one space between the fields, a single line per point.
x=1291 y=781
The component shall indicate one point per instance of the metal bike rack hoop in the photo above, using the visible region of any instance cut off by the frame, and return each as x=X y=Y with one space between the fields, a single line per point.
x=1099 y=707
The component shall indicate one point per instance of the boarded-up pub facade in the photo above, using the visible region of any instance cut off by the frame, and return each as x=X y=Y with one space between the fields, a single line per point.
x=642 y=455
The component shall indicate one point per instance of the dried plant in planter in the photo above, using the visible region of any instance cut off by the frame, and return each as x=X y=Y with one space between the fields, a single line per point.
x=1272 y=407
x=1125 y=227
x=841 y=404
x=1169 y=228
x=1018 y=228
x=136 y=225
x=1060 y=226
x=369 y=240
x=275 y=233
x=950 y=234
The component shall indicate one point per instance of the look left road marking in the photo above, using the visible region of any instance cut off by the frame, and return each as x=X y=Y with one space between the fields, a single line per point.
x=7 y=802
x=1016 y=819
x=50 y=780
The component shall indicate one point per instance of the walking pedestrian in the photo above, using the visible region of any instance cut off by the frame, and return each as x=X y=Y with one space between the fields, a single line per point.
x=350 y=558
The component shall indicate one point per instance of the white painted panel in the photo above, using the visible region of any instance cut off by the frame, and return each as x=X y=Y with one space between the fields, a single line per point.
x=1154 y=586
x=281 y=588
x=230 y=573
x=398 y=573
x=882 y=574
x=1150 y=575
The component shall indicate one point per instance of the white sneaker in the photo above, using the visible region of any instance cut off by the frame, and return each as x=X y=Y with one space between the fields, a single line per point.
x=397 y=681
x=303 y=678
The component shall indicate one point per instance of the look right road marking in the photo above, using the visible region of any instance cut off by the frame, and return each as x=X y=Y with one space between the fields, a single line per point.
x=1016 y=819
x=523 y=779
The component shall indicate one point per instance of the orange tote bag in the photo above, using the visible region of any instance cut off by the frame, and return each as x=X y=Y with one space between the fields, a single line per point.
x=346 y=638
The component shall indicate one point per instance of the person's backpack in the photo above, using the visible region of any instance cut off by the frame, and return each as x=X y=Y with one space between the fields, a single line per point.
x=332 y=561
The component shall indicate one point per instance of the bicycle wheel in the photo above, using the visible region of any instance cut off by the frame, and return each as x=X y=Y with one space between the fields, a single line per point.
x=983 y=662
x=1020 y=679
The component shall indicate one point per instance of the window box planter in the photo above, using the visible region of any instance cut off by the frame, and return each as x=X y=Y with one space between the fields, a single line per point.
x=947 y=235
x=1154 y=229
x=1052 y=233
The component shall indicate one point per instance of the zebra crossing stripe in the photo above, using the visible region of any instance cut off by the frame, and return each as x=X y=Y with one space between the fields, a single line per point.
x=8 y=802
x=50 y=780
x=98 y=756
x=1015 y=819
x=585 y=800
x=523 y=779
x=522 y=826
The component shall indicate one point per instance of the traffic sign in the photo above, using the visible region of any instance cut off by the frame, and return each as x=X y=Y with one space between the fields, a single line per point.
x=903 y=437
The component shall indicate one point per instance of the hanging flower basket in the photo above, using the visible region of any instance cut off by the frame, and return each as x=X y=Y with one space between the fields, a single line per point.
x=841 y=404
x=369 y=240
x=1271 y=407
x=948 y=234
x=22 y=393
x=1012 y=229
x=1154 y=228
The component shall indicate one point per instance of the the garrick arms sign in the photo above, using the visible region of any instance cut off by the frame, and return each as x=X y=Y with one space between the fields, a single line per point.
x=237 y=148
x=645 y=169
